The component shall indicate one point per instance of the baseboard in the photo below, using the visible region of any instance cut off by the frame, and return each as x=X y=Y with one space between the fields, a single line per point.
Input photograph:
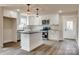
x=61 y=40
x=8 y=42
x=70 y=38
x=53 y=40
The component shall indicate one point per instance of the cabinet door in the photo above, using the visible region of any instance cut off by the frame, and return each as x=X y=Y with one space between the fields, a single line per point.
x=31 y=20
x=54 y=19
x=53 y=35
x=35 y=20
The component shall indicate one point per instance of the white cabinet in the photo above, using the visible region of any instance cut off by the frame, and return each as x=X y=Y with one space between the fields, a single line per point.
x=31 y=41
x=53 y=35
x=33 y=20
x=35 y=40
x=37 y=20
x=54 y=19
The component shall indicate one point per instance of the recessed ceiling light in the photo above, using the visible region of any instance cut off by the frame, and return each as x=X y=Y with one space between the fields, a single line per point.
x=60 y=11
x=18 y=9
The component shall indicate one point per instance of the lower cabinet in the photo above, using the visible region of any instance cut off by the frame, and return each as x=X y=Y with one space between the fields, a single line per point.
x=53 y=35
x=31 y=41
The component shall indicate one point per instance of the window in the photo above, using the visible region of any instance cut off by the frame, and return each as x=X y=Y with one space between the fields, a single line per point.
x=69 y=25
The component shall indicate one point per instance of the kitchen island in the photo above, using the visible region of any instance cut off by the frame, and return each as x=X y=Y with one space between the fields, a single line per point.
x=31 y=40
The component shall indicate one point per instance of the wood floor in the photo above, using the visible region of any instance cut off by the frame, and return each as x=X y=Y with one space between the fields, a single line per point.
x=66 y=47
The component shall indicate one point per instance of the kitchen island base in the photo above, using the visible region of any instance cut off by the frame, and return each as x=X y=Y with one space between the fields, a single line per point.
x=30 y=41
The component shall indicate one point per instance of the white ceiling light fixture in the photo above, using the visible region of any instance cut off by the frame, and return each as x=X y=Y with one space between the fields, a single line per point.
x=60 y=11
x=18 y=10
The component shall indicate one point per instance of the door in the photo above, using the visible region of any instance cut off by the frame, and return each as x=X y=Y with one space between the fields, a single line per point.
x=70 y=27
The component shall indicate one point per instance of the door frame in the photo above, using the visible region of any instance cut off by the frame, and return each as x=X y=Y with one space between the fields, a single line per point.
x=76 y=25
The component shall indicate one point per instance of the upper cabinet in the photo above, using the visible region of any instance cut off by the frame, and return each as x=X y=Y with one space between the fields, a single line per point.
x=54 y=19
x=33 y=20
x=9 y=13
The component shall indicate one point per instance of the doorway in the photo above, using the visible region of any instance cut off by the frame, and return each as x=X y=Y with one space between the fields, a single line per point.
x=70 y=27
x=9 y=31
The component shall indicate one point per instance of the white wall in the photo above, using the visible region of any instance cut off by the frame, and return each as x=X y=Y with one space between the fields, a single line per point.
x=18 y=19
x=60 y=27
x=78 y=27
x=1 y=27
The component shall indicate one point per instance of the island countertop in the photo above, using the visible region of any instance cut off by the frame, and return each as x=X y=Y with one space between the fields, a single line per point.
x=31 y=40
x=29 y=32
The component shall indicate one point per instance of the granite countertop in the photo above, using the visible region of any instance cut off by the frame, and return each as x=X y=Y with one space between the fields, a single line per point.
x=33 y=32
x=30 y=32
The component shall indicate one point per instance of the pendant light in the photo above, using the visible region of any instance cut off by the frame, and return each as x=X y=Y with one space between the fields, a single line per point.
x=37 y=14
x=28 y=9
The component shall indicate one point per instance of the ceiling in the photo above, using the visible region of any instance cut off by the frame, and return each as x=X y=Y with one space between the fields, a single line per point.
x=44 y=8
